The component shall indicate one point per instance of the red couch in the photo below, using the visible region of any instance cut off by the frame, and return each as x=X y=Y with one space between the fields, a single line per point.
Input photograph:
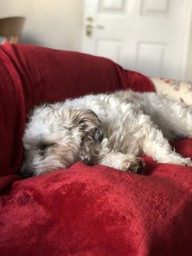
x=83 y=211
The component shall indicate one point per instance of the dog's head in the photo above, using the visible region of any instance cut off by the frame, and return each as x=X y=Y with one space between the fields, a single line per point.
x=56 y=137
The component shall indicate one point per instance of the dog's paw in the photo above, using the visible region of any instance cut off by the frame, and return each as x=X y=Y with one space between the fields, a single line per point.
x=135 y=165
x=187 y=162
x=178 y=160
x=123 y=162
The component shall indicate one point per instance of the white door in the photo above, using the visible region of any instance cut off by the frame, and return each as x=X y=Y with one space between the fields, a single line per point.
x=149 y=36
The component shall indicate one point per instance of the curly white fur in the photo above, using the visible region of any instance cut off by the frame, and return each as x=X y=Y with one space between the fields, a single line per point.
x=108 y=129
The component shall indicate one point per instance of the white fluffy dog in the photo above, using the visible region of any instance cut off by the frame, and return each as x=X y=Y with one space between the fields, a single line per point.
x=107 y=129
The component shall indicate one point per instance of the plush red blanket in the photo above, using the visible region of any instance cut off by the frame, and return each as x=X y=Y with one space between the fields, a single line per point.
x=83 y=211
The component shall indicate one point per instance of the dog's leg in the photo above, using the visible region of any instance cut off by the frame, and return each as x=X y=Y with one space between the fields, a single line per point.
x=156 y=146
x=182 y=120
x=172 y=117
x=124 y=162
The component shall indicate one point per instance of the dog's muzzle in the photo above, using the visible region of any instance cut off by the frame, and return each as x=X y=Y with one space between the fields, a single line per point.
x=26 y=173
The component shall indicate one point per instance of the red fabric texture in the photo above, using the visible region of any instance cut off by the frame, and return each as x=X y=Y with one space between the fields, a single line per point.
x=83 y=211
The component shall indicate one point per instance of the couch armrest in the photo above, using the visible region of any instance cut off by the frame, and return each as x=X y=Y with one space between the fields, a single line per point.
x=180 y=90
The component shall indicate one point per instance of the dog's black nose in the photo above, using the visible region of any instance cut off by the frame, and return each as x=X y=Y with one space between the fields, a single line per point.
x=26 y=173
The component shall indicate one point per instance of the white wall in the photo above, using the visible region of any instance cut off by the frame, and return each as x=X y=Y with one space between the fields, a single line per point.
x=189 y=59
x=51 y=23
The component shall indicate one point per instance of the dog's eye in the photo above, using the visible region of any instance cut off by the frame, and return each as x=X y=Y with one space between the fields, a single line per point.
x=44 y=146
x=67 y=128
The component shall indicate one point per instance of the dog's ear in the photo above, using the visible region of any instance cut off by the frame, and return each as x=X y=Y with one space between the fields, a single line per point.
x=92 y=135
x=91 y=146
x=89 y=123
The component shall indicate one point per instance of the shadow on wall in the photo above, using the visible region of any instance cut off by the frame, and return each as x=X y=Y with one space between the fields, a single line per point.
x=28 y=39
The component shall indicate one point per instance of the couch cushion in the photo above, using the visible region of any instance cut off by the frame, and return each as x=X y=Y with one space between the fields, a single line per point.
x=178 y=90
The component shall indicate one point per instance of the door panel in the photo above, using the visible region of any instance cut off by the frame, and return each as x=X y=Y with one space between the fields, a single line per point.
x=149 y=36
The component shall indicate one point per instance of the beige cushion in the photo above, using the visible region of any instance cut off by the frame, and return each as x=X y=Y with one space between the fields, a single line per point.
x=179 y=90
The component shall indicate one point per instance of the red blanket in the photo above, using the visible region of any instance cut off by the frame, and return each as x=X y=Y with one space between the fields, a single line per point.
x=83 y=211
